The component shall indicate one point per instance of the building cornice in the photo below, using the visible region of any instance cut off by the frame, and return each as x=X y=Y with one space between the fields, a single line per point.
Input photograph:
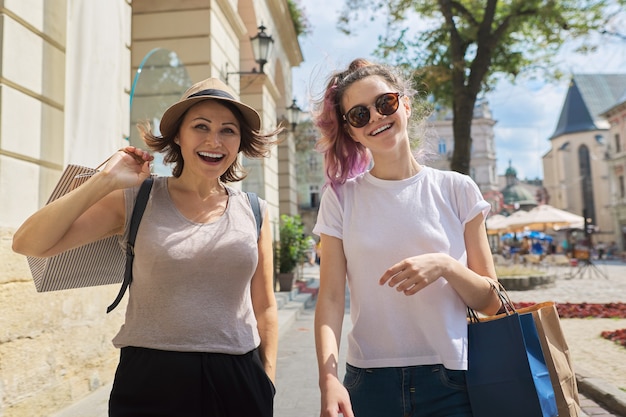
x=233 y=18
x=286 y=31
x=614 y=111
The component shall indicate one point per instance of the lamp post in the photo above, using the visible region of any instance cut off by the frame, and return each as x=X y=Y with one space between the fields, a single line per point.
x=261 y=45
x=293 y=114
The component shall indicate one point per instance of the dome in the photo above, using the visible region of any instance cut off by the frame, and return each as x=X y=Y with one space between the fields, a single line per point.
x=510 y=172
x=519 y=195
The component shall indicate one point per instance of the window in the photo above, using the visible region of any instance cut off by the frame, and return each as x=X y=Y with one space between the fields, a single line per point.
x=584 y=169
x=622 y=189
x=442 y=146
x=312 y=162
x=618 y=145
x=314 y=193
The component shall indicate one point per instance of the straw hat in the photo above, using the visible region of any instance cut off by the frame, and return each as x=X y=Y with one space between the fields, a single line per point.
x=209 y=89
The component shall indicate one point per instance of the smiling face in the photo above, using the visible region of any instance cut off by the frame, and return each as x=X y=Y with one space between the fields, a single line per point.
x=209 y=138
x=381 y=133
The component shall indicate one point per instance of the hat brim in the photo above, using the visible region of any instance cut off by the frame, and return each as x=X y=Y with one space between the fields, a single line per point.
x=176 y=111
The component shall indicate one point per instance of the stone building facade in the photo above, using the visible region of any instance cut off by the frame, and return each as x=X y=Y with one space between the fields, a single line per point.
x=483 y=153
x=576 y=168
x=616 y=159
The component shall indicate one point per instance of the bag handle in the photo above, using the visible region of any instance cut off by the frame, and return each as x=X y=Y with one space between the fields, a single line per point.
x=140 y=207
x=91 y=172
x=507 y=308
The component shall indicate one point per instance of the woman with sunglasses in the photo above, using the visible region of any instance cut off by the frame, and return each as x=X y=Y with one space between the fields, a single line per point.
x=410 y=242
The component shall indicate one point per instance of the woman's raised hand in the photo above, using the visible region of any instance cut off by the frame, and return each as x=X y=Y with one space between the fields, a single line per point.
x=129 y=166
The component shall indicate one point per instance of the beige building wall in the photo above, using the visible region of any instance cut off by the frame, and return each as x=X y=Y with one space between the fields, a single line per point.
x=563 y=179
x=287 y=174
x=55 y=348
x=616 y=158
x=483 y=158
x=483 y=163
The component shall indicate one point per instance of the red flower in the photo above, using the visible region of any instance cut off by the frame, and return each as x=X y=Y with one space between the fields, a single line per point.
x=597 y=310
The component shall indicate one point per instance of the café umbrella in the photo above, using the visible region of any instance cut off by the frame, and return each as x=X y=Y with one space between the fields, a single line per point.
x=496 y=223
x=545 y=217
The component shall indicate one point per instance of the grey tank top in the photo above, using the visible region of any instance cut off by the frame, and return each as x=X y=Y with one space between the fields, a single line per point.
x=191 y=281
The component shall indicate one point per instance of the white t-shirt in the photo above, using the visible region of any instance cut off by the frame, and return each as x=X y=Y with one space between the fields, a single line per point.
x=381 y=223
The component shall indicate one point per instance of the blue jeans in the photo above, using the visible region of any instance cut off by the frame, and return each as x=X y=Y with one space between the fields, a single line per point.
x=415 y=391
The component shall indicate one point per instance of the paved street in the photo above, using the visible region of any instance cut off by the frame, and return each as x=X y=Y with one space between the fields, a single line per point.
x=296 y=377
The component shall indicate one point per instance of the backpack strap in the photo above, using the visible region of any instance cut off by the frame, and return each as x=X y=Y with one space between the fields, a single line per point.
x=256 y=209
x=140 y=206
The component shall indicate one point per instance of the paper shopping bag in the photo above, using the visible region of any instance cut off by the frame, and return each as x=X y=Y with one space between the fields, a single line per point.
x=507 y=374
x=557 y=357
x=98 y=263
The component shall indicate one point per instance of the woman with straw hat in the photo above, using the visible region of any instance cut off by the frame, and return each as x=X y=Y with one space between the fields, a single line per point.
x=200 y=334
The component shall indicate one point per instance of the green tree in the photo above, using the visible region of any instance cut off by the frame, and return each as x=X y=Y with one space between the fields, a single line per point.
x=293 y=243
x=466 y=44
x=298 y=15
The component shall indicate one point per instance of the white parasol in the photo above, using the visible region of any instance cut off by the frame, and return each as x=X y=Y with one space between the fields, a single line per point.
x=543 y=217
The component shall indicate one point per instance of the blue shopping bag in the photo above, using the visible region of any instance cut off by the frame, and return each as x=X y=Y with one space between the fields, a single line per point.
x=507 y=373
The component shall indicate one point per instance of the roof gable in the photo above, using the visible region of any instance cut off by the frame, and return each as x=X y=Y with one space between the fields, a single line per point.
x=587 y=97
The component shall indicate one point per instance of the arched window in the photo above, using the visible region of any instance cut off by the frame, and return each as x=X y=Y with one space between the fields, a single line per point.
x=584 y=168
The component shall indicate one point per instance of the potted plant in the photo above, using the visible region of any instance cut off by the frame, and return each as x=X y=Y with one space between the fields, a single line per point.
x=291 y=250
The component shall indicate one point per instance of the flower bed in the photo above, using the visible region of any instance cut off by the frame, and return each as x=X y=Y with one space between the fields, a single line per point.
x=592 y=310
x=585 y=310
x=618 y=336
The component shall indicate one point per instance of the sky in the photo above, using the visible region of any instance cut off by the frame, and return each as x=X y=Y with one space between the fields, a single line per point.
x=526 y=113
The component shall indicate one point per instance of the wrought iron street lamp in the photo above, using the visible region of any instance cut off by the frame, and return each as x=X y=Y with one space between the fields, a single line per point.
x=261 y=46
x=293 y=115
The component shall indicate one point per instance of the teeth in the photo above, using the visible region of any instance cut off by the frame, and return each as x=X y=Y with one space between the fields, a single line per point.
x=210 y=155
x=380 y=129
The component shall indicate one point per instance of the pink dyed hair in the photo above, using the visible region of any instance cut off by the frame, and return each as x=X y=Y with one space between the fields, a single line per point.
x=345 y=158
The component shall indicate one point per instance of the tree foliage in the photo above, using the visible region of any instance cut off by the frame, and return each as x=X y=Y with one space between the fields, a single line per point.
x=300 y=20
x=456 y=49
x=293 y=243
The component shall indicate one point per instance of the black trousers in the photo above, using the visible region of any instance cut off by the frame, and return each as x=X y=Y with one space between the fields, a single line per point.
x=160 y=383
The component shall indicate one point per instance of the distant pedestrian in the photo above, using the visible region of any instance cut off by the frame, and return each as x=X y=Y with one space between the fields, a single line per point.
x=611 y=251
x=318 y=252
x=310 y=250
x=411 y=242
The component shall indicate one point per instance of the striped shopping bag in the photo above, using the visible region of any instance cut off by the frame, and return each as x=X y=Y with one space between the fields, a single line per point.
x=98 y=263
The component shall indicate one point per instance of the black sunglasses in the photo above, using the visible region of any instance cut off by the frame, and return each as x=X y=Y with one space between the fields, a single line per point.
x=385 y=104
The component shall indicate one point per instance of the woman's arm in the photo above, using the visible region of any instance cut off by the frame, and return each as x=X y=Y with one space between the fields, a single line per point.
x=91 y=212
x=329 y=313
x=264 y=301
x=472 y=283
x=478 y=294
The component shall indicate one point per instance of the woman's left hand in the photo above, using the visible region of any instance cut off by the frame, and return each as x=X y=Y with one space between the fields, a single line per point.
x=413 y=274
